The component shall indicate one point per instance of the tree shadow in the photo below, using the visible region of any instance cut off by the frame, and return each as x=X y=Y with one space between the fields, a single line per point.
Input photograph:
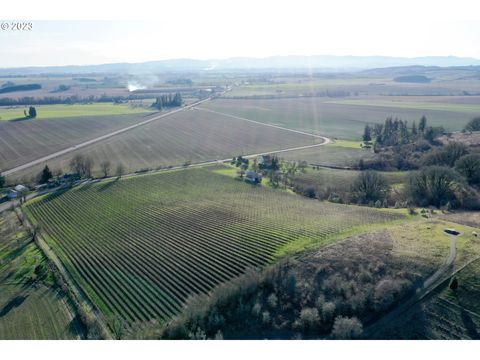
x=107 y=185
x=12 y=304
x=76 y=327
x=21 y=119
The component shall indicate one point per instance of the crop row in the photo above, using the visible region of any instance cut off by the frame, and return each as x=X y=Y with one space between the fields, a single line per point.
x=140 y=247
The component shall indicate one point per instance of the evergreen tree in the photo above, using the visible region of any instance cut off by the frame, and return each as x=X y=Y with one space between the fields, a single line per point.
x=414 y=130
x=422 y=126
x=32 y=112
x=45 y=175
x=367 y=134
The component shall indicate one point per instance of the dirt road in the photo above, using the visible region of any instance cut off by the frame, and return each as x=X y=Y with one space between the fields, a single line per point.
x=443 y=273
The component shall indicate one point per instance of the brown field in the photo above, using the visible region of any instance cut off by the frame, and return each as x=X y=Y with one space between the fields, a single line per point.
x=27 y=140
x=190 y=136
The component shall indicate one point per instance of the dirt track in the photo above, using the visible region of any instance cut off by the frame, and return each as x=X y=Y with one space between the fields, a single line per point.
x=443 y=273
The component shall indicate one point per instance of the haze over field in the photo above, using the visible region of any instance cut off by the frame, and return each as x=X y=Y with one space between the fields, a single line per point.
x=254 y=29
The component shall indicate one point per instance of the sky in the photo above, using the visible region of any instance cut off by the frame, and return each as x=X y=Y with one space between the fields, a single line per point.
x=212 y=29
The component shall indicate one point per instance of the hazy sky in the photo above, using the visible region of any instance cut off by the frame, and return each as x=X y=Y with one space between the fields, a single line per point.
x=220 y=29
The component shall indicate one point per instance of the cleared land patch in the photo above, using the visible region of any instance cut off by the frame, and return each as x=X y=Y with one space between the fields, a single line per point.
x=152 y=241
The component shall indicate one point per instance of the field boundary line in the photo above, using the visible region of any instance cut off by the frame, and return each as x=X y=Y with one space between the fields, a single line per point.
x=74 y=292
x=324 y=138
x=97 y=139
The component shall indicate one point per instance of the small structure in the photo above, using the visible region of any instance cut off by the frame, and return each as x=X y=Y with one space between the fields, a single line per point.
x=12 y=194
x=21 y=188
x=17 y=192
x=252 y=177
x=451 y=231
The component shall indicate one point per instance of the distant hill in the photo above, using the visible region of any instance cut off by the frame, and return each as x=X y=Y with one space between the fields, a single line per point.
x=412 y=79
x=323 y=63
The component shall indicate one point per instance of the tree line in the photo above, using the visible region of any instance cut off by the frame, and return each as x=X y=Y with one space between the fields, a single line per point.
x=73 y=99
x=395 y=132
x=167 y=101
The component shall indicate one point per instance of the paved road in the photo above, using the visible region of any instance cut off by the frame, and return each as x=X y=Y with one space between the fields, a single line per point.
x=444 y=272
x=103 y=137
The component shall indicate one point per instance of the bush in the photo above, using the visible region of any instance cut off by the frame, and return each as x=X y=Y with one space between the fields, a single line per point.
x=370 y=186
x=328 y=311
x=309 y=319
x=434 y=185
x=469 y=166
x=345 y=328
x=447 y=155
x=473 y=125
x=454 y=284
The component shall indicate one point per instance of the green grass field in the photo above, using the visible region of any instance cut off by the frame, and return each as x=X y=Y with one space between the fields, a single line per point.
x=151 y=241
x=342 y=179
x=76 y=110
x=341 y=154
x=345 y=118
x=30 y=307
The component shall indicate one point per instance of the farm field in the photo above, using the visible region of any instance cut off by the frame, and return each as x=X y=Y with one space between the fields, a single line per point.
x=8 y=113
x=346 y=118
x=325 y=178
x=190 y=136
x=354 y=84
x=152 y=241
x=330 y=155
x=24 y=141
x=30 y=307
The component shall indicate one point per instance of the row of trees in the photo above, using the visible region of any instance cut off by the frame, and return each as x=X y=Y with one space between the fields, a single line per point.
x=82 y=166
x=396 y=132
x=73 y=99
x=168 y=100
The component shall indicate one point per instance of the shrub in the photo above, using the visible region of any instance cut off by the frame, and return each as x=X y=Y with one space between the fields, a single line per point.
x=272 y=301
x=433 y=185
x=345 y=328
x=447 y=155
x=370 y=186
x=309 y=319
x=469 y=166
x=328 y=311
x=454 y=284
x=473 y=125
